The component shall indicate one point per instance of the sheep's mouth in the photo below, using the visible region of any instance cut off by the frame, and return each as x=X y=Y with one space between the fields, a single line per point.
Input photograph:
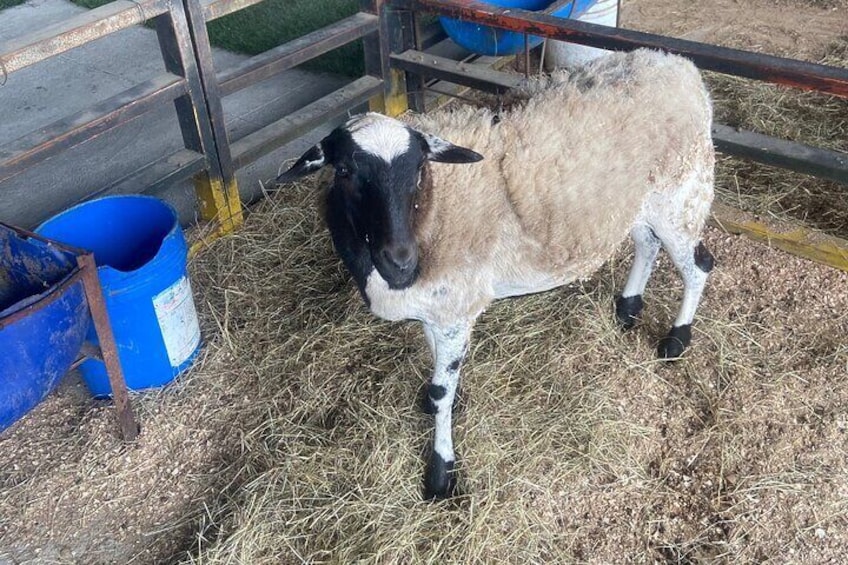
x=397 y=279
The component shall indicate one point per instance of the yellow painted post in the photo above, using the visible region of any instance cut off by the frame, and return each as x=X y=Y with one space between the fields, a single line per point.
x=217 y=190
x=799 y=241
x=219 y=202
x=396 y=33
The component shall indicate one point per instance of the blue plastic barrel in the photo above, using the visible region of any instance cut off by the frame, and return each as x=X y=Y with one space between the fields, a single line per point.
x=141 y=256
x=43 y=321
x=492 y=41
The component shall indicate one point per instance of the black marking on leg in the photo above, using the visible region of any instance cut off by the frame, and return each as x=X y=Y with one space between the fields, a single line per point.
x=627 y=310
x=439 y=478
x=436 y=392
x=672 y=345
x=427 y=398
x=429 y=394
x=703 y=258
x=427 y=405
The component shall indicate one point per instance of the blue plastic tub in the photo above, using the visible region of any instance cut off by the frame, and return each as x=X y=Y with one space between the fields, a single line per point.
x=492 y=41
x=43 y=321
x=141 y=256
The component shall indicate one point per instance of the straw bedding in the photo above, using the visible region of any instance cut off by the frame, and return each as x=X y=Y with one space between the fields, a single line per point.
x=298 y=437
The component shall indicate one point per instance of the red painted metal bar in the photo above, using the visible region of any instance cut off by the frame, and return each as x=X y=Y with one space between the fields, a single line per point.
x=779 y=70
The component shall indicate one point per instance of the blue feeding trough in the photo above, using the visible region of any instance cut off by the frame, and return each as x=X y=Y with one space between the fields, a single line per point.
x=141 y=257
x=492 y=41
x=44 y=318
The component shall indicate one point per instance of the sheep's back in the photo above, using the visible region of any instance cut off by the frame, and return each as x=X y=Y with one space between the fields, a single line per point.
x=566 y=174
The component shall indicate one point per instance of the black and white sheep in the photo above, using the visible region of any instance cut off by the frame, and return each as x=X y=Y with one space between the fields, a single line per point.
x=620 y=147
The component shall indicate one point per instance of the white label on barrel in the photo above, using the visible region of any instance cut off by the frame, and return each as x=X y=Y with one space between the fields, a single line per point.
x=177 y=317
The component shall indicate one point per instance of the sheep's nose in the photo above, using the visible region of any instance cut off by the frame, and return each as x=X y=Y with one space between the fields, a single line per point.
x=402 y=257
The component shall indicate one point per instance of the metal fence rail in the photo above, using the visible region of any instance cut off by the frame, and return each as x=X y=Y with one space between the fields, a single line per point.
x=217 y=84
x=180 y=85
x=788 y=72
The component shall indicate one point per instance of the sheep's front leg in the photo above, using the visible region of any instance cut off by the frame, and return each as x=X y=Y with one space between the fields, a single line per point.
x=448 y=346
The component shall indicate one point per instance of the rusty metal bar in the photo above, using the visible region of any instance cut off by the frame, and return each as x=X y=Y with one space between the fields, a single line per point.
x=251 y=147
x=108 y=347
x=295 y=52
x=32 y=235
x=88 y=124
x=779 y=70
x=32 y=48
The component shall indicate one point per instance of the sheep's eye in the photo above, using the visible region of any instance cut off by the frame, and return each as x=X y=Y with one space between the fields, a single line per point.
x=343 y=171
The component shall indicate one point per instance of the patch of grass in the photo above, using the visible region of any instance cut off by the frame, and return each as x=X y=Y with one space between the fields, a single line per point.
x=9 y=3
x=274 y=22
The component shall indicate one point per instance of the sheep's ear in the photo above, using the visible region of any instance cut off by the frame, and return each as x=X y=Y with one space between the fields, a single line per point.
x=308 y=163
x=441 y=151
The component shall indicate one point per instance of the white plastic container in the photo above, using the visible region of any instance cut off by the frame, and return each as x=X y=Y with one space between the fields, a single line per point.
x=564 y=55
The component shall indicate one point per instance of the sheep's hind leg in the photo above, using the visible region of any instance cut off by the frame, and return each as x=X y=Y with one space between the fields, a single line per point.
x=693 y=262
x=448 y=347
x=628 y=306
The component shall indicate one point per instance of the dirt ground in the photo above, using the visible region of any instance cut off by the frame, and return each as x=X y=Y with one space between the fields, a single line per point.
x=296 y=438
x=799 y=29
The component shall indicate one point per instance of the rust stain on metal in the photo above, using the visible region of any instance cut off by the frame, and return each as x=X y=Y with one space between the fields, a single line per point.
x=108 y=347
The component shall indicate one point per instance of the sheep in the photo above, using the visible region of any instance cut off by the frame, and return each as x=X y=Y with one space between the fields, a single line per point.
x=432 y=231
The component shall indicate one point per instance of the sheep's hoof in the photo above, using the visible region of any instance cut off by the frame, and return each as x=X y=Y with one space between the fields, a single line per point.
x=439 y=479
x=627 y=310
x=672 y=345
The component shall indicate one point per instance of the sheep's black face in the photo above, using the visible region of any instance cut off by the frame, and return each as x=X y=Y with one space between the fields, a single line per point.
x=376 y=171
x=371 y=205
